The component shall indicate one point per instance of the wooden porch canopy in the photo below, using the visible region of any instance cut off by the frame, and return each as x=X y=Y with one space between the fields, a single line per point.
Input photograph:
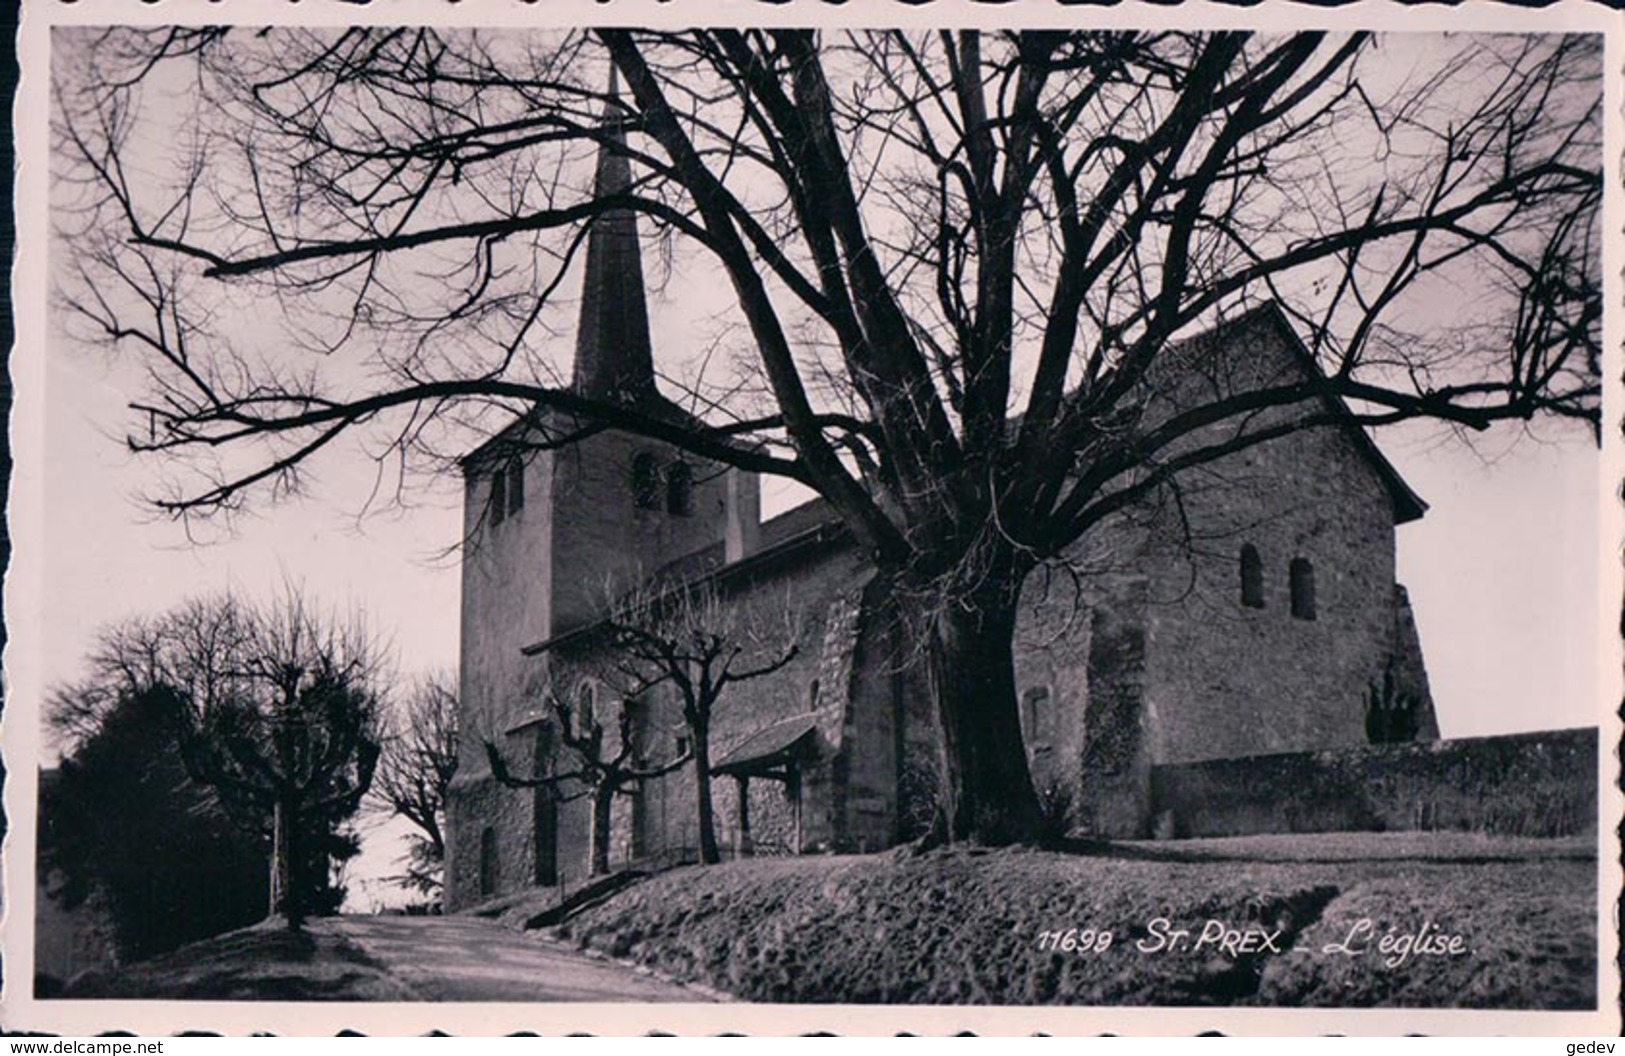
x=776 y=754
x=771 y=753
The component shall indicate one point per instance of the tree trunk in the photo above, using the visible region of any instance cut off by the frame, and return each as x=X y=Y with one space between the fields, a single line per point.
x=985 y=790
x=286 y=892
x=279 y=882
x=709 y=854
x=744 y=848
x=603 y=800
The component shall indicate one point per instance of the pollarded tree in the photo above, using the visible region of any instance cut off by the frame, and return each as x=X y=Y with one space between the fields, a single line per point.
x=961 y=259
x=691 y=638
x=273 y=708
x=602 y=767
x=294 y=734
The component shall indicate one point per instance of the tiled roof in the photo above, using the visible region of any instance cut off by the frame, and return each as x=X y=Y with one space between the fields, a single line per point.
x=767 y=748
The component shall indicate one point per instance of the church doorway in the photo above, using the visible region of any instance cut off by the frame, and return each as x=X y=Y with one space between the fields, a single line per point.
x=546 y=837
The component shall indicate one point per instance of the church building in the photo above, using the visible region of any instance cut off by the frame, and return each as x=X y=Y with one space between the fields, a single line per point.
x=1254 y=612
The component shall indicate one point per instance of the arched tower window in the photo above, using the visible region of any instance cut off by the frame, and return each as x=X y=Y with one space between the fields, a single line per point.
x=515 y=472
x=645 y=480
x=640 y=726
x=1302 y=576
x=507 y=490
x=812 y=695
x=679 y=489
x=1252 y=577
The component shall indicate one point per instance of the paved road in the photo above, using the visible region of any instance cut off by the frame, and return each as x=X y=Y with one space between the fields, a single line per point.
x=469 y=959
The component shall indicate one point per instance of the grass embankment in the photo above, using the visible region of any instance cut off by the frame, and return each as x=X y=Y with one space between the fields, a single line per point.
x=263 y=963
x=958 y=927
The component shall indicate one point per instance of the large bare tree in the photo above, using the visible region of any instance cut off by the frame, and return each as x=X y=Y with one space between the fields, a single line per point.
x=960 y=259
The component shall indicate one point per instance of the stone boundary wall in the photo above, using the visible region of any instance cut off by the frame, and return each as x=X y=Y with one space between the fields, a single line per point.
x=1527 y=784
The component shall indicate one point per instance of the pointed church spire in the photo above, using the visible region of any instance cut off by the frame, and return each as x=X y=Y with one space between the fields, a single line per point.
x=613 y=354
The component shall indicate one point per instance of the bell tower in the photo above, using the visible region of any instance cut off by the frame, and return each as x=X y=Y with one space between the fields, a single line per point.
x=550 y=535
x=622 y=506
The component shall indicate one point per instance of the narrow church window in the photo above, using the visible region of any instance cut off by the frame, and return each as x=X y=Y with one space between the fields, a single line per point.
x=1037 y=718
x=516 y=486
x=499 y=496
x=1252 y=577
x=545 y=836
x=585 y=719
x=639 y=726
x=645 y=480
x=812 y=696
x=541 y=756
x=1302 y=575
x=679 y=489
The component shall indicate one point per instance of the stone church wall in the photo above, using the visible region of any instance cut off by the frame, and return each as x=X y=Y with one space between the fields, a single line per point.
x=1533 y=784
x=578 y=515
x=604 y=539
x=1286 y=670
x=1143 y=648
x=1229 y=679
x=478 y=805
x=507 y=578
x=506 y=583
x=868 y=767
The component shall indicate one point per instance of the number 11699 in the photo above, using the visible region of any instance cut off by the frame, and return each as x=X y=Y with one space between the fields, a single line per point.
x=1075 y=940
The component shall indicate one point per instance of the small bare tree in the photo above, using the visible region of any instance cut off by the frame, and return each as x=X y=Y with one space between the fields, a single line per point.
x=605 y=768
x=414 y=775
x=691 y=638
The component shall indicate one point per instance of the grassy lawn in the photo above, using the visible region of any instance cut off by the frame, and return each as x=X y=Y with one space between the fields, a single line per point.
x=962 y=927
x=966 y=927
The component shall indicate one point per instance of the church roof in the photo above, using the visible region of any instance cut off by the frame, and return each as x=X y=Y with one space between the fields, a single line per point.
x=614 y=356
x=512 y=439
x=1408 y=506
x=788 y=527
x=815 y=524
